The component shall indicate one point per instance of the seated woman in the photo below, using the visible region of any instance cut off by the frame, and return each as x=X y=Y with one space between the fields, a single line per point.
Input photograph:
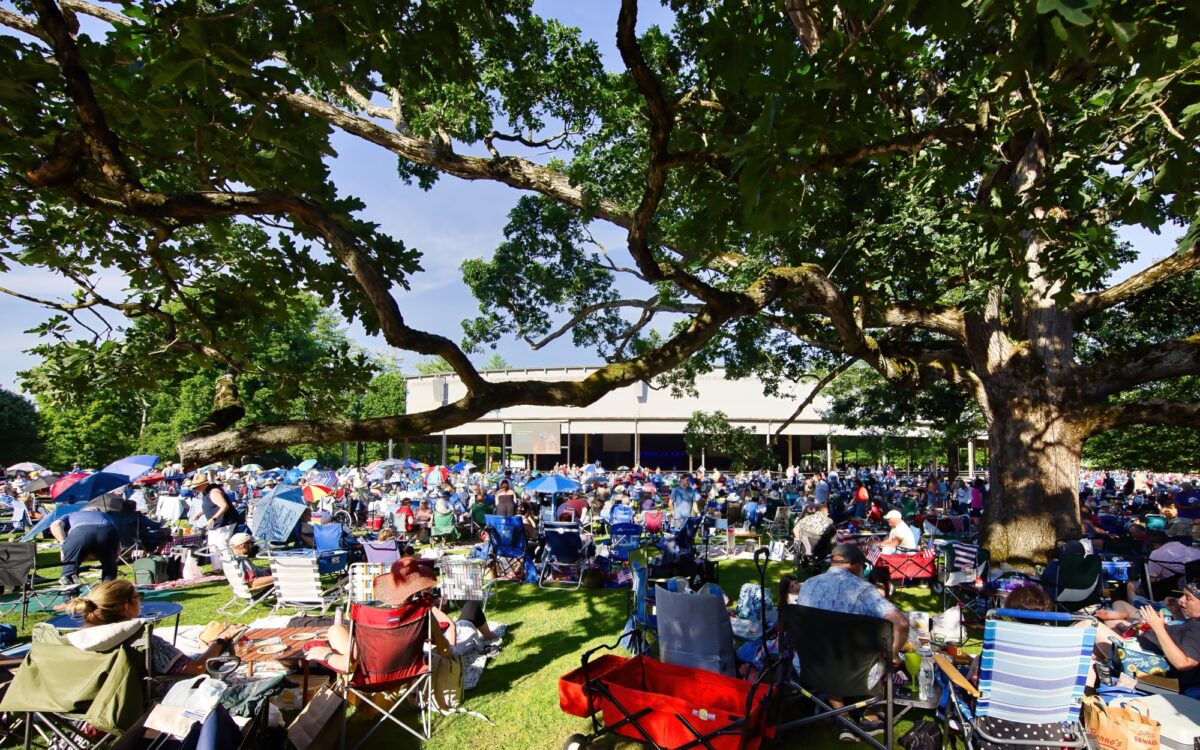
x=110 y=615
x=529 y=520
x=408 y=582
x=242 y=546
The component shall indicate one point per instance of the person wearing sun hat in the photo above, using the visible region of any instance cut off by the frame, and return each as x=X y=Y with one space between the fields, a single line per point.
x=219 y=516
x=406 y=583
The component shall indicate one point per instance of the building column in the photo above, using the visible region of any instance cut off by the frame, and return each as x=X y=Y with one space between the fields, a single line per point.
x=637 y=445
x=790 y=461
x=406 y=454
x=971 y=458
x=585 y=447
x=487 y=452
x=828 y=453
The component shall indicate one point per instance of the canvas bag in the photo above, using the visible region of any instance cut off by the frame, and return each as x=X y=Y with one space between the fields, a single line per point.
x=447 y=676
x=1127 y=727
x=319 y=725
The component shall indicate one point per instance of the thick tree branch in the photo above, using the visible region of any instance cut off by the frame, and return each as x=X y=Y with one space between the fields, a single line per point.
x=816 y=390
x=948 y=321
x=588 y=310
x=1150 y=412
x=1182 y=262
x=1145 y=364
x=809 y=28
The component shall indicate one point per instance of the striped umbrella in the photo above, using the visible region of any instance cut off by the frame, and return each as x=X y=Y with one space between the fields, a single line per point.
x=327 y=479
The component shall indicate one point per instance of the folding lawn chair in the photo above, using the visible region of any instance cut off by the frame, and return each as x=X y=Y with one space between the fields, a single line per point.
x=244 y=598
x=1176 y=573
x=1031 y=681
x=962 y=574
x=391 y=657
x=565 y=552
x=298 y=585
x=779 y=531
x=653 y=523
x=361 y=583
x=837 y=654
x=332 y=557
x=443 y=527
x=384 y=553
x=639 y=607
x=1079 y=582
x=624 y=538
x=506 y=544
x=463 y=579
x=620 y=514
x=694 y=628
x=18 y=565
x=59 y=688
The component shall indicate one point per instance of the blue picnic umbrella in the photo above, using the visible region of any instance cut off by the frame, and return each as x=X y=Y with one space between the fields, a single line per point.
x=462 y=465
x=552 y=484
x=275 y=513
x=306 y=464
x=60 y=510
x=93 y=485
x=293 y=476
x=133 y=467
x=411 y=464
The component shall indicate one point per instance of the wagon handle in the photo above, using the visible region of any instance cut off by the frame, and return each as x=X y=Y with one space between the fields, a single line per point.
x=587 y=680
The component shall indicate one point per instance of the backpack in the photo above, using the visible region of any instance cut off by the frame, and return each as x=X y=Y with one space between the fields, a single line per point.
x=926 y=735
x=151 y=569
x=750 y=602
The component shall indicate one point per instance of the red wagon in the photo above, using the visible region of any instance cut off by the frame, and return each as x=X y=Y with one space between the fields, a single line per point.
x=667 y=707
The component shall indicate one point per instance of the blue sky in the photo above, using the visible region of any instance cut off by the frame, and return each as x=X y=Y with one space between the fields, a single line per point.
x=454 y=221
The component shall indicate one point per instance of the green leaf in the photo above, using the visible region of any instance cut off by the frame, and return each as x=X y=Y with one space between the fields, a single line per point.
x=1072 y=10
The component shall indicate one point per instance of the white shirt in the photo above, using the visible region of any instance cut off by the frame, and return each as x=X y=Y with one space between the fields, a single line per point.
x=900 y=536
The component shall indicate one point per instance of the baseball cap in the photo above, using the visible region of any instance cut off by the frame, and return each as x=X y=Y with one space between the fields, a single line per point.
x=892 y=514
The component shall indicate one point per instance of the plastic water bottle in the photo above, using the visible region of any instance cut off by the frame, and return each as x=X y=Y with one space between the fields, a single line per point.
x=925 y=676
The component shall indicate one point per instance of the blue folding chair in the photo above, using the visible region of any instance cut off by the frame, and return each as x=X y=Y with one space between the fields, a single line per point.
x=565 y=554
x=1031 y=681
x=621 y=514
x=624 y=538
x=506 y=543
x=331 y=556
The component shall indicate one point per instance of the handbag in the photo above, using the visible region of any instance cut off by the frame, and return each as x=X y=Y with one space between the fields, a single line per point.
x=317 y=727
x=1127 y=727
x=447 y=675
x=926 y=735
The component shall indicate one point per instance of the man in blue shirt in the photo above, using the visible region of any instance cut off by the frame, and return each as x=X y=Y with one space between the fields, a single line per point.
x=87 y=532
x=683 y=499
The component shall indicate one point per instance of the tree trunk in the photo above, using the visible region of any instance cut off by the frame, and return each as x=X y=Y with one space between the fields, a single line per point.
x=1034 y=474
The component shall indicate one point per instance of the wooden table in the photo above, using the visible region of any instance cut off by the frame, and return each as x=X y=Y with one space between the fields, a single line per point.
x=248 y=645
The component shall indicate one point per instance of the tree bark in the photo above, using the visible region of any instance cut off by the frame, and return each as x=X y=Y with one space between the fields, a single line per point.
x=1033 y=472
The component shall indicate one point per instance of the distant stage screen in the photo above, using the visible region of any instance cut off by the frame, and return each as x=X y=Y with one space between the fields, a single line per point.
x=536 y=438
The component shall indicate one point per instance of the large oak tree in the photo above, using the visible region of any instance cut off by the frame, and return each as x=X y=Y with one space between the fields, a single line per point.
x=931 y=188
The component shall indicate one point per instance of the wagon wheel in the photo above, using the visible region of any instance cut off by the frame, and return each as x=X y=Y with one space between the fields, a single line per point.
x=577 y=742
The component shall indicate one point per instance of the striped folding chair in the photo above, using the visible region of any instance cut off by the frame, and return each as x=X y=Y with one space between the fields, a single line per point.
x=462 y=579
x=361 y=586
x=1032 y=673
x=243 y=599
x=298 y=585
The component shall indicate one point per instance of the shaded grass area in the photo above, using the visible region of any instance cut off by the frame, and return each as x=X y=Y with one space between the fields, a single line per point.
x=548 y=631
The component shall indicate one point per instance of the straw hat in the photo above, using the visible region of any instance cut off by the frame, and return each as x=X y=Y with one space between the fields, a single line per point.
x=200 y=479
x=407 y=577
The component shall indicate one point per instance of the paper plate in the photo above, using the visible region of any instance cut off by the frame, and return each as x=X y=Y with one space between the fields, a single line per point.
x=275 y=648
x=307 y=635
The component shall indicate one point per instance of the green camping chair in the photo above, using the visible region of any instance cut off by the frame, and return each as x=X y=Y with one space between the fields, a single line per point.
x=443 y=526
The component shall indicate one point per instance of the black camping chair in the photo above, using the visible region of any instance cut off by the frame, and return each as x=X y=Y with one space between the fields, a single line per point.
x=18 y=564
x=837 y=652
x=1078 y=583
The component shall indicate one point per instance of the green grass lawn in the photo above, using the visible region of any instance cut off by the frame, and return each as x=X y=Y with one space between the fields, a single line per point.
x=548 y=631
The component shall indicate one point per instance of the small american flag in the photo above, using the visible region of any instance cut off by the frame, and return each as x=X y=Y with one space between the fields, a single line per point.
x=624 y=577
x=965 y=556
x=927 y=553
x=873 y=556
x=960 y=523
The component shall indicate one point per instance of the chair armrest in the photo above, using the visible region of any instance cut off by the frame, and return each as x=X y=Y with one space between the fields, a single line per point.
x=955 y=676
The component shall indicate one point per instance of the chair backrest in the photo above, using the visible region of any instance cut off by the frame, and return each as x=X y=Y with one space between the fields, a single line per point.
x=782 y=517
x=625 y=538
x=1079 y=581
x=640 y=587
x=1033 y=674
x=621 y=514
x=297 y=579
x=694 y=630
x=328 y=536
x=362 y=580
x=836 y=650
x=385 y=553
x=564 y=542
x=461 y=578
x=18 y=561
x=1155 y=522
x=652 y=520
x=443 y=522
x=507 y=535
x=389 y=645
x=237 y=579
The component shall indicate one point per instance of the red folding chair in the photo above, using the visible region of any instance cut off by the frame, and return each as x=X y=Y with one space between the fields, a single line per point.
x=390 y=657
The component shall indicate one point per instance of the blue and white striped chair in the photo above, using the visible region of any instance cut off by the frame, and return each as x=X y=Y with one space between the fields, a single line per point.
x=1031 y=680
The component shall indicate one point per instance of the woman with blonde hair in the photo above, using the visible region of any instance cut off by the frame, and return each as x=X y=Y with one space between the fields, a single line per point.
x=110 y=614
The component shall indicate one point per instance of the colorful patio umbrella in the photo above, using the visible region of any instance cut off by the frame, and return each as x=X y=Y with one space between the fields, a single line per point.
x=552 y=483
x=132 y=467
x=151 y=478
x=91 y=486
x=384 y=464
x=462 y=466
x=323 y=478
x=250 y=468
x=66 y=481
x=412 y=464
x=315 y=492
